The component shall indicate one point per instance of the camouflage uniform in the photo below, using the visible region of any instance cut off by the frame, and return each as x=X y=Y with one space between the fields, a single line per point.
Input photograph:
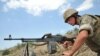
x=91 y=23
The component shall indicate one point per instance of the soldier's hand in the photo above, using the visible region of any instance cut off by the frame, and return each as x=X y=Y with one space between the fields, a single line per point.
x=67 y=53
x=67 y=43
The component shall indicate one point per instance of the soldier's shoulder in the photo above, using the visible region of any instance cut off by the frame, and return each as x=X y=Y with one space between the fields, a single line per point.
x=87 y=16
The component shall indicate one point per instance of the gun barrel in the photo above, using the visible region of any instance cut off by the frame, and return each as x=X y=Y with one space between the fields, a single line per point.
x=13 y=38
x=55 y=38
x=27 y=39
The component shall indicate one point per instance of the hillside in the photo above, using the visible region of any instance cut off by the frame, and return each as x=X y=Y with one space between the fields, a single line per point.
x=42 y=51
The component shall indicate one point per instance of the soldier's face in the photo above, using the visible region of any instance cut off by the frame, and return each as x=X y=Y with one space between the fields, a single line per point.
x=71 y=21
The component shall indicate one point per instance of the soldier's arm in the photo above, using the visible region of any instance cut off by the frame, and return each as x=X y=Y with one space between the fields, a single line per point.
x=80 y=39
x=87 y=23
x=85 y=30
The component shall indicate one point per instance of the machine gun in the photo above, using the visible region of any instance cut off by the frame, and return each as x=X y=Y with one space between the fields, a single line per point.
x=48 y=38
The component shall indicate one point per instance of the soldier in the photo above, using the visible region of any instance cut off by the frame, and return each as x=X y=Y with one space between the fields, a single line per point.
x=89 y=31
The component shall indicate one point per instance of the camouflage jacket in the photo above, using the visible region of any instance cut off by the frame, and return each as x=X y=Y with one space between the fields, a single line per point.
x=91 y=23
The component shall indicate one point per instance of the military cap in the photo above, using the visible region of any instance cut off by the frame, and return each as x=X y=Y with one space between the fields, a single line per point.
x=68 y=13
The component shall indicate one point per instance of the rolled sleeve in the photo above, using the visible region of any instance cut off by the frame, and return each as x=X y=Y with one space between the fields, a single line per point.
x=87 y=24
x=87 y=27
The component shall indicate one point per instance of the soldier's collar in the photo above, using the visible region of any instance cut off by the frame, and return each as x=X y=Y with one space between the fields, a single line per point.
x=79 y=19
